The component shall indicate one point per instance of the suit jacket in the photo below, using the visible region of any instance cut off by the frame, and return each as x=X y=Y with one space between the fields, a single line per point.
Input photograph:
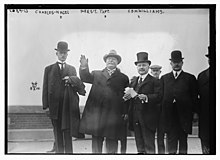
x=204 y=106
x=52 y=87
x=184 y=91
x=147 y=112
x=102 y=115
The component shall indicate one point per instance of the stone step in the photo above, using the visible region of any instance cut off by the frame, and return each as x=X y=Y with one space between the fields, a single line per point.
x=47 y=134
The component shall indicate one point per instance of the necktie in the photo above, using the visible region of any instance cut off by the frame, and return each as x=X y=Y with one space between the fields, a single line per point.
x=176 y=74
x=110 y=72
x=62 y=65
x=140 y=80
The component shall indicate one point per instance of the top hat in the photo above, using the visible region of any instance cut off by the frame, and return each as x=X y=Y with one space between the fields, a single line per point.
x=176 y=56
x=155 y=67
x=62 y=46
x=112 y=53
x=142 y=57
x=209 y=50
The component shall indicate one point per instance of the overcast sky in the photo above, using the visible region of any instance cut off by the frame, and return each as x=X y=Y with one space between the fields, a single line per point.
x=33 y=35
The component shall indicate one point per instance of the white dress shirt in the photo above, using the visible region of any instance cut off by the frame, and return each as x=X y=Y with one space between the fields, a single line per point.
x=142 y=76
x=178 y=73
x=60 y=64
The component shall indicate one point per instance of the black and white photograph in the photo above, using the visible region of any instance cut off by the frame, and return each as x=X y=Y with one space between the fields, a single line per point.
x=110 y=79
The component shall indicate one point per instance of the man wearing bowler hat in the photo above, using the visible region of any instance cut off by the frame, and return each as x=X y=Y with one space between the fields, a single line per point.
x=61 y=87
x=143 y=112
x=105 y=111
x=204 y=108
x=179 y=92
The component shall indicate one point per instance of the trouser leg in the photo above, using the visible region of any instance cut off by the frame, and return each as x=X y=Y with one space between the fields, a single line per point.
x=54 y=144
x=111 y=145
x=97 y=143
x=68 y=147
x=139 y=138
x=172 y=141
x=58 y=136
x=182 y=141
x=160 y=141
x=149 y=140
x=173 y=134
x=123 y=145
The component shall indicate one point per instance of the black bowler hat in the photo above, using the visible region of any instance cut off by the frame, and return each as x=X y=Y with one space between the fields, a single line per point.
x=142 y=57
x=176 y=56
x=62 y=46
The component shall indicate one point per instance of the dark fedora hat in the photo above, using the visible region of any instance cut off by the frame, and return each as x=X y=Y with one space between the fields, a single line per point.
x=62 y=46
x=142 y=57
x=176 y=56
x=112 y=53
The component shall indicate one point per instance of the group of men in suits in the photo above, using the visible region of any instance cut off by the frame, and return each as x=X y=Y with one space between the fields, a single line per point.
x=165 y=105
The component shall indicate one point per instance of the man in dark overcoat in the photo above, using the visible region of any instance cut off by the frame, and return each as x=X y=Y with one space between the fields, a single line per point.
x=143 y=111
x=105 y=111
x=204 y=109
x=60 y=99
x=179 y=91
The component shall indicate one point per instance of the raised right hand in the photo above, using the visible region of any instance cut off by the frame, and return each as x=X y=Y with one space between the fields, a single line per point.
x=83 y=61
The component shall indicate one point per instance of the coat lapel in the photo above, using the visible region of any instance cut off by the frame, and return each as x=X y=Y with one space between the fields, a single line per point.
x=171 y=76
x=106 y=74
x=54 y=77
x=134 y=81
x=180 y=75
x=55 y=71
x=116 y=73
x=146 y=80
x=66 y=70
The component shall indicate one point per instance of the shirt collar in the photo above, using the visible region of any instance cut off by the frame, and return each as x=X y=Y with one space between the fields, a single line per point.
x=143 y=76
x=111 y=70
x=60 y=61
x=178 y=72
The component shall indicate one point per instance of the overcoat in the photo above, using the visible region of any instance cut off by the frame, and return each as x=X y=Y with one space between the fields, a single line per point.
x=102 y=115
x=204 y=104
x=52 y=86
x=148 y=113
x=184 y=91
x=70 y=108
